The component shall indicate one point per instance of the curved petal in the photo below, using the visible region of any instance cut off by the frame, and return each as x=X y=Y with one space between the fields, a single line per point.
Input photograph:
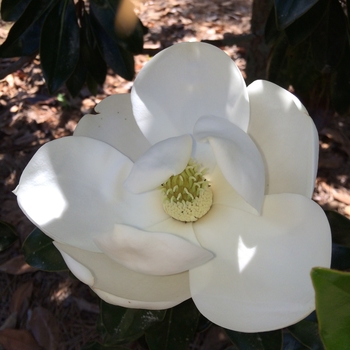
x=164 y=159
x=73 y=190
x=237 y=157
x=120 y=286
x=184 y=82
x=286 y=137
x=115 y=124
x=259 y=279
x=225 y=194
x=153 y=253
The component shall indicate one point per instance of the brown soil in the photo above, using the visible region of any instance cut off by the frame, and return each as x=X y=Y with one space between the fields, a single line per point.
x=55 y=310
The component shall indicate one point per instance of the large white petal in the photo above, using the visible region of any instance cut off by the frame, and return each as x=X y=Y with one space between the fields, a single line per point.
x=184 y=82
x=237 y=157
x=118 y=285
x=153 y=253
x=259 y=279
x=286 y=137
x=164 y=159
x=73 y=190
x=115 y=125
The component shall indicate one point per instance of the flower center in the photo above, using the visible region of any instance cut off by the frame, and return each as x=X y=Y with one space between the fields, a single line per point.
x=187 y=196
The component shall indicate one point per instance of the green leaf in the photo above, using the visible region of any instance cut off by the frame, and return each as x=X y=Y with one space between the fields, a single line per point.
x=333 y=306
x=340 y=227
x=340 y=257
x=93 y=59
x=59 y=47
x=125 y=325
x=40 y=252
x=77 y=79
x=291 y=343
x=177 y=330
x=105 y=12
x=277 y=65
x=7 y=235
x=287 y=11
x=256 y=341
x=24 y=36
x=91 y=84
x=116 y=57
x=98 y=346
x=307 y=333
x=329 y=39
x=305 y=25
x=11 y=10
x=271 y=32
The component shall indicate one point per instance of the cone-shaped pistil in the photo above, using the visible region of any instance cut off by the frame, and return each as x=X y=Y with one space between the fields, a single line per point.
x=187 y=196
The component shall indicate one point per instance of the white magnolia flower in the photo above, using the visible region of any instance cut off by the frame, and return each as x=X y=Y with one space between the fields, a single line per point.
x=245 y=160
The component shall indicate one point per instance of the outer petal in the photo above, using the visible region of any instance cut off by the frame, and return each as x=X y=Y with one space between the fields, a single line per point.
x=120 y=286
x=237 y=157
x=260 y=277
x=115 y=125
x=164 y=159
x=73 y=190
x=184 y=82
x=153 y=253
x=286 y=137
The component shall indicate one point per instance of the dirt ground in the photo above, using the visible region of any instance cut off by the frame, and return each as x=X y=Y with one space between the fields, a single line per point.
x=54 y=310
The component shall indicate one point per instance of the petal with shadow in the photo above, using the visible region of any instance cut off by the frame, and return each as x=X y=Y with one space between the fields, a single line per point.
x=184 y=82
x=237 y=157
x=115 y=124
x=259 y=279
x=153 y=253
x=286 y=137
x=120 y=286
x=73 y=190
x=163 y=160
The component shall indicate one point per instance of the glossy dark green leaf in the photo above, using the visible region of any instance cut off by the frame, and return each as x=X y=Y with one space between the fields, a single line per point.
x=24 y=36
x=291 y=343
x=77 y=79
x=98 y=346
x=177 y=330
x=329 y=39
x=7 y=235
x=278 y=61
x=340 y=84
x=91 y=84
x=105 y=13
x=287 y=11
x=11 y=10
x=40 y=252
x=340 y=228
x=271 y=32
x=256 y=341
x=305 y=25
x=93 y=59
x=307 y=333
x=333 y=306
x=116 y=57
x=302 y=73
x=59 y=47
x=125 y=325
x=340 y=257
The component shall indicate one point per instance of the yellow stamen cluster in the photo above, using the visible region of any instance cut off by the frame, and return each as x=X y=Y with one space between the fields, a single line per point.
x=187 y=196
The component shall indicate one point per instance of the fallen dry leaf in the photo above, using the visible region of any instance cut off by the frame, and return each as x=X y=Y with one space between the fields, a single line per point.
x=43 y=325
x=18 y=339
x=16 y=266
x=21 y=296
